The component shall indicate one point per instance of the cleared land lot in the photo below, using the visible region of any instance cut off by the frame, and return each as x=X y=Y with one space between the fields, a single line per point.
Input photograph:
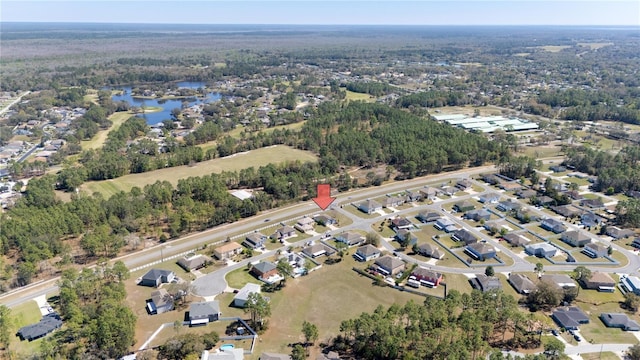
x=256 y=158
x=98 y=140
x=24 y=314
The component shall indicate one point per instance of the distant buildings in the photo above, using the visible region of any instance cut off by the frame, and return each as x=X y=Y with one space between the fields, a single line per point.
x=486 y=124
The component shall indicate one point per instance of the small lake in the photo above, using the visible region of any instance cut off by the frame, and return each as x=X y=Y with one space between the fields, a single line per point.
x=166 y=105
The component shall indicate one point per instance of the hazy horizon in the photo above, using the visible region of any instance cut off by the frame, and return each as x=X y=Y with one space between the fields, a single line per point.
x=331 y=12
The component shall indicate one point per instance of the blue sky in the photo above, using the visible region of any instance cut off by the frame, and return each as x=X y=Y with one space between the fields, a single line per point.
x=388 y=12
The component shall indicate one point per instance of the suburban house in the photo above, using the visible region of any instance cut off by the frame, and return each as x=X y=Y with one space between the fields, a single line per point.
x=480 y=251
x=445 y=224
x=155 y=277
x=592 y=203
x=389 y=265
x=618 y=320
x=426 y=277
x=161 y=302
x=600 y=281
x=567 y=211
x=414 y=196
x=264 y=270
x=297 y=260
x=553 y=225
x=46 y=325
x=490 y=198
x=430 y=250
x=574 y=194
x=464 y=184
x=541 y=250
x=636 y=243
x=430 y=193
x=525 y=215
x=254 y=240
x=325 y=220
x=317 y=250
x=478 y=215
x=240 y=299
x=631 y=283
x=557 y=168
x=521 y=283
x=223 y=354
x=367 y=252
x=227 y=251
x=448 y=190
x=508 y=205
x=595 y=250
x=193 y=262
x=545 y=200
x=393 y=201
x=369 y=206
x=618 y=233
x=350 y=238
x=305 y=224
x=516 y=239
x=401 y=223
x=589 y=219
x=491 y=179
x=427 y=217
x=510 y=186
x=404 y=235
x=562 y=281
x=274 y=356
x=485 y=283
x=283 y=233
x=463 y=206
x=575 y=238
x=570 y=318
x=202 y=313
x=526 y=193
x=464 y=236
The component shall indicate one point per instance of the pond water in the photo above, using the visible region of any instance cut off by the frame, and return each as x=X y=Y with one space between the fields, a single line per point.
x=166 y=105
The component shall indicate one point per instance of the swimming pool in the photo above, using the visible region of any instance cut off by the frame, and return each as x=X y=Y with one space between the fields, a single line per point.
x=227 y=347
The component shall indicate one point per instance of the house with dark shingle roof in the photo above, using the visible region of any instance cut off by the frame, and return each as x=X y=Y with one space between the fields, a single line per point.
x=325 y=220
x=526 y=193
x=427 y=217
x=426 y=276
x=284 y=232
x=592 y=203
x=589 y=219
x=480 y=251
x=570 y=318
x=389 y=265
x=264 y=270
x=464 y=236
x=202 y=313
x=553 y=225
x=155 y=277
x=521 y=283
x=478 y=215
x=618 y=320
x=508 y=205
x=46 y=325
x=254 y=240
x=567 y=211
x=486 y=283
x=463 y=184
x=401 y=223
x=414 y=196
x=516 y=239
x=463 y=206
x=404 y=235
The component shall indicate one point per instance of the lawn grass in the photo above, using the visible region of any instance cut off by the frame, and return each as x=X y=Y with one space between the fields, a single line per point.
x=354 y=96
x=354 y=210
x=325 y=298
x=255 y=158
x=239 y=278
x=542 y=151
x=596 y=332
x=607 y=355
x=553 y=48
x=98 y=140
x=24 y=314
x=451 y=261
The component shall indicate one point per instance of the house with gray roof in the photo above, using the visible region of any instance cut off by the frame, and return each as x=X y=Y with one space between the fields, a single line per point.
x=600 y=281
x=193 y=262
x=478 y=215
x=317 y=250
x=254 y=240
x=489 y=198
x=389 y=265
x=480 y=251
x=553 y=225
x=202 y=313
x=485 y=283
x=445 y=224
x=264 y=270
x=350 y=238
x=561 y=281
x=161 y=302
x=618 y=320
x=284 y=232
x=631 y=283
x=325 y=220
x=464 y=236
x=369 y=206
x=46 y=325
x=595 y=250
x=521 y=283
x=516 y=239
x=508 y=205
x=463 y=206
x=367 y=252
x=427 y=217
x=393 y=201
x=430 y=250
x=618 y=233
x=240 y=299
x=570 y=318
x=274 y=356
x=155 y=277
x=575 y=238
x=541 y=250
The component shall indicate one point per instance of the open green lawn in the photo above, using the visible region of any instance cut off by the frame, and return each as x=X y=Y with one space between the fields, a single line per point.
x=542 y=151
x=596 y=331
x=24 y=314
x=239 y=278
x=325 y=298
x=98 y=140
x=354 y=210
x=607 y=355
x=354 y=96
x=256 y=158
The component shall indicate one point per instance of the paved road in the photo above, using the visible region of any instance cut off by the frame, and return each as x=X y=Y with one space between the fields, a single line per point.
x=6 y=108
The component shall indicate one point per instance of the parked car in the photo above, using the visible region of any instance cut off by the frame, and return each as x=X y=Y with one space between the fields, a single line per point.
x=577 y=338
x=554 y=332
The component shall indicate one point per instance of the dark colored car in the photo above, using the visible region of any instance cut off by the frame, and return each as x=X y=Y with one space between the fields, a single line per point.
x=577 y=338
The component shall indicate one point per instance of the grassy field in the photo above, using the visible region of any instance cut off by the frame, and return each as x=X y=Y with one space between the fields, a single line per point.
x=607 y=355
x=255 y=158
x=354 y=96
x=553 y=48
x=325 y=298
x=98 y=140
x=595 y=45
x=24 y=314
